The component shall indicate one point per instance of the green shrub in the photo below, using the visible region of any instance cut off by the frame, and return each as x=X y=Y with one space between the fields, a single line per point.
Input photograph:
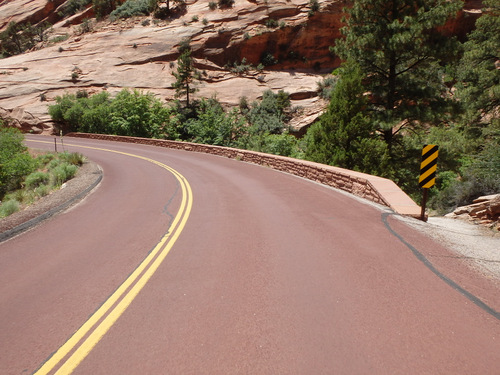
x=42 y=191
x=9 y=207
x=268 y=59
x=214 y=126
x=225 y=3
x=62 y=173
x=132 y=8
x=36 y=179
x=22 y=196
x=134 y=113
x=326 y=86
x=314 y=7
x=272 y=23
x=15 y=162
x=53 y=164
x=59 y=38
x=103 y=7
x=72 y=7
x=44 y=159
x=131 y=113
x=72 y=158
x=85 y=27
x=280 y=144
x=268 y=116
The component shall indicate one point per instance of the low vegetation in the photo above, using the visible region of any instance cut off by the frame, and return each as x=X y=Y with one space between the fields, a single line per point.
x=132 y=8
x=25 y=178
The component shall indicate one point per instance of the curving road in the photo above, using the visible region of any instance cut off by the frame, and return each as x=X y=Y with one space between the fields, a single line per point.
x=186 y=263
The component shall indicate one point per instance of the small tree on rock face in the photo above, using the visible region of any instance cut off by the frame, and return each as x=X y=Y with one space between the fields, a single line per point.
x=186 y=73
x=226 y=3
x=18 y=38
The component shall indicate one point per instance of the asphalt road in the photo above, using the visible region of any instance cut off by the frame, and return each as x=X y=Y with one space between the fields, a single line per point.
x=186 y=263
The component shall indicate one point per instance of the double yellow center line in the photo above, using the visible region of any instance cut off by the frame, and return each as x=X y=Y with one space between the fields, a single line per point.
x=74 y=351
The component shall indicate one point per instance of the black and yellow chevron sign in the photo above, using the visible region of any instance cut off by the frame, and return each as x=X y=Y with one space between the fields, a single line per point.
x=428 y=166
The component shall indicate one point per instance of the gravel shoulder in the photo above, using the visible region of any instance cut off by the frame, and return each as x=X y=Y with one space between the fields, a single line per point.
x=476 y=245
x=73 y=191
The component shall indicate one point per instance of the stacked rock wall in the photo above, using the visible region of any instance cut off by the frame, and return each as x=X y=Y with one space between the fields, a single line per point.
x=372 y=188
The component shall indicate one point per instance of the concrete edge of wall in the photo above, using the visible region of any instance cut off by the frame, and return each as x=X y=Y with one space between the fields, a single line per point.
x=376 y=189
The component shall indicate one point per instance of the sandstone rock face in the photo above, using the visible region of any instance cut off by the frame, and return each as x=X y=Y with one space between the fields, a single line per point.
x=141 y=53
x=23 y=120
x=24 y=11
x=484 y=210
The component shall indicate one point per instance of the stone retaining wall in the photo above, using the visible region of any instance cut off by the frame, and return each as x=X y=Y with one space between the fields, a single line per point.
x=376 y=189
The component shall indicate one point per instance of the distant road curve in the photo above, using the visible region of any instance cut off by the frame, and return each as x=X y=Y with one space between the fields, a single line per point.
x=187 y=263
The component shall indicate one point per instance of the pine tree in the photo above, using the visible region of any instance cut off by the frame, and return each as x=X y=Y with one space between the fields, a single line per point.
x=344 y=137
x=479 y=86
x=186 y=73
x=401 y=53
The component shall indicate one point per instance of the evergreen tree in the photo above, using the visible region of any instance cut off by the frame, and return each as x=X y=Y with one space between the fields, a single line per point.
x=344 y=136
x=479 y=86
x=186 y=72
x=401 y=53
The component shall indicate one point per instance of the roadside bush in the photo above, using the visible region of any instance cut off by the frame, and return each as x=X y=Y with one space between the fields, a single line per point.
x=53 y=163
x=15 y=162
x=9 y=207
x=23 y=178
x=267 y=116
x=42 y=191
x=134 y=113
x=214 y=126
x=63 y=173
x=131 y=113
x=36 y=179
x=72 y=158
x=44 y=159
x=278 y=144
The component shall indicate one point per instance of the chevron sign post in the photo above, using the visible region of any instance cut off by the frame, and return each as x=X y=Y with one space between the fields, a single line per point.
x=428 y=168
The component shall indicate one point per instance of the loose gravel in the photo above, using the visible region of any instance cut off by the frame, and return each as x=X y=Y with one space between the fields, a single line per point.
x=477 y=245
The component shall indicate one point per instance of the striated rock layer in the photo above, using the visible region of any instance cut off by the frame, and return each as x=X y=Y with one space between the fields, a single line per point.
x=484 y=210
x=141 y=52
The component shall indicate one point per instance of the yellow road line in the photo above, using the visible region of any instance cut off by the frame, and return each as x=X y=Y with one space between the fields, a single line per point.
x=146 y=268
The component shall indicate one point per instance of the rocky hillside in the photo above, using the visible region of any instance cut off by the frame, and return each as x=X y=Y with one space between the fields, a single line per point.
x=141 y=53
